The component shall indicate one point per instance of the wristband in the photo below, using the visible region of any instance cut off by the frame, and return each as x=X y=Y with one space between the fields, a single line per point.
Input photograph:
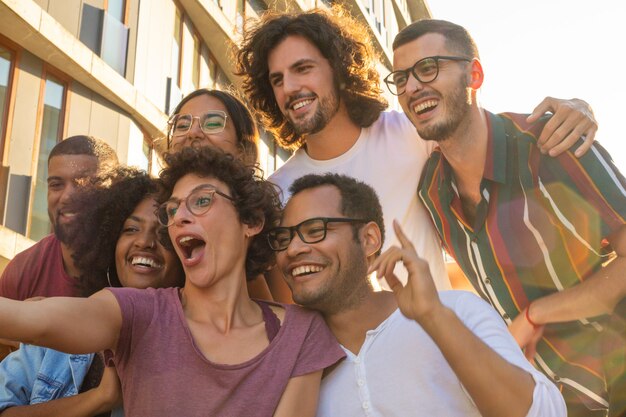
x=528 y=319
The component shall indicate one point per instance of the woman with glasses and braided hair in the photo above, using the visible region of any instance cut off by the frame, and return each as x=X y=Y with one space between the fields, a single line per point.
x=206 y=348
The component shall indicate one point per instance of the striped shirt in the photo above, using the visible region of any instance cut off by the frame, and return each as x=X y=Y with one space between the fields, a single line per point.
x=538 y=229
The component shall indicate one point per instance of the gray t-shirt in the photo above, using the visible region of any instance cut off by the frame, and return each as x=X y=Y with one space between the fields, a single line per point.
x=164 y=374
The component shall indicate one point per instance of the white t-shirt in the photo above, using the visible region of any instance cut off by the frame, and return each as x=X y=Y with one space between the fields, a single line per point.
x=389 y=156
x=401 y=372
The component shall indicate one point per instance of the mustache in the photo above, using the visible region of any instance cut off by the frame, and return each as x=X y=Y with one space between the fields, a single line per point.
x=297 y=97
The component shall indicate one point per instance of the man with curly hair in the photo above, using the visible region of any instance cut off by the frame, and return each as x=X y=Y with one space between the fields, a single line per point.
x=312 y=78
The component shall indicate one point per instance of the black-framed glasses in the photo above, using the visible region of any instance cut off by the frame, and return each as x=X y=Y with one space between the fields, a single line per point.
x=310 y=231
x=198 y=202
x=210 y=123
x=425 y=71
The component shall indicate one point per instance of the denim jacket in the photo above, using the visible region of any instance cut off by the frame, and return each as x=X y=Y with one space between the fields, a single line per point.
x=33 y=375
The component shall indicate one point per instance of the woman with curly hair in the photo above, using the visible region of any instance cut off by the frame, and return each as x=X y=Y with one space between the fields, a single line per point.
x=206 y=349
x=118 y=208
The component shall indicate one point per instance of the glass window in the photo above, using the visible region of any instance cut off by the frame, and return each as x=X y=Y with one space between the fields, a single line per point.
x=51 y=131
x=117 y=9
x=197 y=50
x=6 y=60
x=177 y=46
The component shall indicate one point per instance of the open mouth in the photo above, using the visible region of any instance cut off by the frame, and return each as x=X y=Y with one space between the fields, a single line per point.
x=424 y=107
x=190 y=246
x=305 y=270
x=301 y=104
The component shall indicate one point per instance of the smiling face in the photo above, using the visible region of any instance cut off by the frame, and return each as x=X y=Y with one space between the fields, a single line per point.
x=199 y=106
x=64 y=171
x=438 y=108
x=140 y=260
x=213 y=244
x=303 y=84
x=329 y=275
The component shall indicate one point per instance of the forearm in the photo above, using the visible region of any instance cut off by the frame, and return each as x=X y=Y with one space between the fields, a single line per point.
x=87 y=404
x=73 y=325
x=496 y=386
x=597 y=295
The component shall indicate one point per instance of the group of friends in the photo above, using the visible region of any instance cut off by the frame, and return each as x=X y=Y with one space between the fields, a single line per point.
x=211 y=291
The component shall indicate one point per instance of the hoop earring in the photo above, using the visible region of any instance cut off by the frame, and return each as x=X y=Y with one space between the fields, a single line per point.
x=109 y=278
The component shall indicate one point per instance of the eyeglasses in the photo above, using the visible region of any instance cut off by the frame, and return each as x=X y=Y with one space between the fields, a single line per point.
x=198 y=202
x=210 y=123
x=310 y=231
x=425 y=71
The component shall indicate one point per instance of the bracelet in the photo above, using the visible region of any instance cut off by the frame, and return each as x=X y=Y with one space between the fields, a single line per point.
x=528 y=319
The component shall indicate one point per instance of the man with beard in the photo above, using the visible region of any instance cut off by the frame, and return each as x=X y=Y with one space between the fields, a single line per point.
x=415 y=351
x=543 y=239
x=47 y=268
x=312 y=76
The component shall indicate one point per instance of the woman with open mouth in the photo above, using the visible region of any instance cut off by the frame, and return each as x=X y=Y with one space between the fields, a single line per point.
x=115 y=242
x=206 y=349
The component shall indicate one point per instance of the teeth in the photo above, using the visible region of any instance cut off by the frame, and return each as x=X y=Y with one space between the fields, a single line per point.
x=425 y=105
x=305 y=269
x=140 y=260
x=302 y=104
x=184 y=240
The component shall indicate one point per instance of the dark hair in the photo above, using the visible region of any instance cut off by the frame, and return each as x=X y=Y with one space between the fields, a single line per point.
x=255 y=199
x=86 y=145
x=102 y=205
x=458 y=39
x=245 y=127
x=343 y=41
x=358 y=200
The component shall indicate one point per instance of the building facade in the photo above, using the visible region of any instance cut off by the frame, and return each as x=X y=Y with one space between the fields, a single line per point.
x=114 y=69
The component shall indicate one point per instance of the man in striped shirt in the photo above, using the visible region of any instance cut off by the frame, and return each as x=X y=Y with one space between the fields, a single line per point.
x=543 y=239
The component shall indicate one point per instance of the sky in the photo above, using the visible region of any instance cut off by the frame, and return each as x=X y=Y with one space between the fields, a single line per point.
x=531 y=49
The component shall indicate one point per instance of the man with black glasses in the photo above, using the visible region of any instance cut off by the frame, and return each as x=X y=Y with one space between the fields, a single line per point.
x=413 y=352
x=543 y=239
x=312 y=77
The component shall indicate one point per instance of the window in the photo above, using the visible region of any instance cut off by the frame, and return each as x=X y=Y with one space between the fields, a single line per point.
x=6 y=71
x=52 y=117
x=105 y=33
x=177 y=46
x=195 y=70
x=116 y=9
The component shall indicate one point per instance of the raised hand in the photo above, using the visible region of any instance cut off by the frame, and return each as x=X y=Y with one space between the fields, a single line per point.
x=418 y=300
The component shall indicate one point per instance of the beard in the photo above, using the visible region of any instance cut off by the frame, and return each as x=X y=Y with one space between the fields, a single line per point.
x=62 y=232
x=458 y=105
x=341 y=292
x=327 y=107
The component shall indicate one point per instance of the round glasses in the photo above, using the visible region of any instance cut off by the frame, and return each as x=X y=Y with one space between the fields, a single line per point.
x=310 y=231
x=425 y=71
x=198 y=202
x=210 y=123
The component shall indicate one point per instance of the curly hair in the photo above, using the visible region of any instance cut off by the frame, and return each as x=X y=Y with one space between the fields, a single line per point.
x=255 y=199
x=358 y=200
x=103 y=204
x=245 y=126
x=343 y=41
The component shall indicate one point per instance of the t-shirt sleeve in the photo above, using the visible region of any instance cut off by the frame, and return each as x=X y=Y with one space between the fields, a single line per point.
x=319 y=350
x=9 y=279
x=137 y=311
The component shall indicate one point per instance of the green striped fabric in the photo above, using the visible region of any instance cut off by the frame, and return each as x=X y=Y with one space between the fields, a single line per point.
x=538 y=229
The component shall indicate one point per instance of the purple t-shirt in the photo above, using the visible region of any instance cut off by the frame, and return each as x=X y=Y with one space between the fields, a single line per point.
x=38 y=271
x=163 y=373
